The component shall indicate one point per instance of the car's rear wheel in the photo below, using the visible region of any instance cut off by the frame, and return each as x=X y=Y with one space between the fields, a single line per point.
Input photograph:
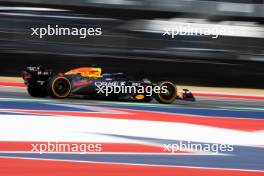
x=59 y=87
x=167 y=94
x=35 y=90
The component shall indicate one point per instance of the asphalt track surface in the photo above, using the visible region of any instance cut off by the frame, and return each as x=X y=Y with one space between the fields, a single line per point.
x=133 y=135
x=210 y=102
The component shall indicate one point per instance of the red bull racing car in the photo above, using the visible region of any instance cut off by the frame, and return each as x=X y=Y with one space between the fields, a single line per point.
x=90 y=82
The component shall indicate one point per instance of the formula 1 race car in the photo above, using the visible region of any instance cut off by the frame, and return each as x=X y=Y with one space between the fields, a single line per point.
x=90 y=82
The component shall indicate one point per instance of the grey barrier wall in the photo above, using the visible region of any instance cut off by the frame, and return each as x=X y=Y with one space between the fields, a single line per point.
x=200 y=60
x=242 y=74
x=252 y=8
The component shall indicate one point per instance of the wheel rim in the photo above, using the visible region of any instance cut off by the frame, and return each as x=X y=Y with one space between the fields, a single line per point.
x=170 y=94
x=61 y=87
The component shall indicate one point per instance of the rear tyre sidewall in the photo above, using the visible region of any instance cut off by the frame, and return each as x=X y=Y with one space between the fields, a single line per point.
x=59 y=87
x=36 y=91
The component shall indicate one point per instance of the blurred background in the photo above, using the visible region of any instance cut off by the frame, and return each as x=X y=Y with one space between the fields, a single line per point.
x=133 y=40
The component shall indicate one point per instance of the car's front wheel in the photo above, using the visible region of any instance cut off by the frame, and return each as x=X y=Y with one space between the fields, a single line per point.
x=167 y=94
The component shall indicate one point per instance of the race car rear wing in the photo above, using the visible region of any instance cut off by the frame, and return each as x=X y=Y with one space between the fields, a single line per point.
x=36 y=73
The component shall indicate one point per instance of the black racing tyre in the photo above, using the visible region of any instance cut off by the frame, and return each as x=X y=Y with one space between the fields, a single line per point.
x=168 y=96
x=36 y=91
x=59 y=87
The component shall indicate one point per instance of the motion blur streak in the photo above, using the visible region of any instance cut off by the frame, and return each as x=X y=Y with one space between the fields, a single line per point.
x=133 y=135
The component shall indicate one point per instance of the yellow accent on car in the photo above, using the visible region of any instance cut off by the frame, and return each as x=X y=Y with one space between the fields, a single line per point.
x=179 y=94
x=95 y=72
x=140 y=97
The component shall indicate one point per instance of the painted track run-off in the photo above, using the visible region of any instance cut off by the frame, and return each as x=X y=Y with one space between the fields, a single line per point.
x=132 y=135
